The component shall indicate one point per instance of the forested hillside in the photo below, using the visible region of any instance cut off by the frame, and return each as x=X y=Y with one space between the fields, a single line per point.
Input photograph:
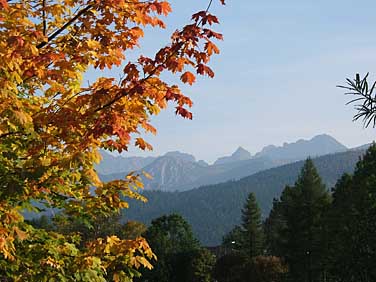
x=213 y=210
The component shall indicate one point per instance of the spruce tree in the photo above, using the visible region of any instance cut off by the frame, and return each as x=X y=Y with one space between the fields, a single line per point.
x=252 y=228
x=297 y=225
x=248 y=237
x=274 y=226
x=234 y=239
x=352 y=223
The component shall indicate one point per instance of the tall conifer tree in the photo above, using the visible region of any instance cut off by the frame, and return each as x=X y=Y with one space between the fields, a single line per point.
x=249 y=236
x=252 y=227
x=297 y=221
x=352 y=223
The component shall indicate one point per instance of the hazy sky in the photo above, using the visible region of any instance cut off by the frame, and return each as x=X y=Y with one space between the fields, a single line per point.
x=275 y=78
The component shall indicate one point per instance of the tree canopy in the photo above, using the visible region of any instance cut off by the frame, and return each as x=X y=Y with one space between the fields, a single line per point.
x=51 y=125
x=247 y=238
x=296 y=225
x=352 y=223
x=172 y=240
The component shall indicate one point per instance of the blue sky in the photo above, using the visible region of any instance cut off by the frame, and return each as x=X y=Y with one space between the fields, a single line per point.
x=275 y=78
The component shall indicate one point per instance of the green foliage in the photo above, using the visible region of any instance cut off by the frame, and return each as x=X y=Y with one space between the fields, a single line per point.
x=104 y=226
x=43 y=222
x=247 y=238
x=352 y=223
x=298 y=220
x=132 y=229
x=171 y=234
x=275 y=225
x=201 y=266
x=245 y=243
x=252 y=228
x=80 y=235
x=365 y=99
x=231 y=268
x=234 y=239
x=172 y=240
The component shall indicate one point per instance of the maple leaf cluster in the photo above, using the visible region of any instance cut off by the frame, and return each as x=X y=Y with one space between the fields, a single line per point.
x=51 y=127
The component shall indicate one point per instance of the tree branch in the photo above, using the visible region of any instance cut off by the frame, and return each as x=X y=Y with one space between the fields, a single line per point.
x=44 y=17
x=67 y=24
x=117 y=98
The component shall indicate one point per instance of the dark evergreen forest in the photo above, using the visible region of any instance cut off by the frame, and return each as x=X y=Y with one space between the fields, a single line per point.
x=214 y=210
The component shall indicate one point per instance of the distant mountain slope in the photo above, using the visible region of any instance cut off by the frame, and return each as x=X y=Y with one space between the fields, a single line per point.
x=172 y=173
x=219 y=173
x=362 y=147
x=239 y=155
x=214 y=210
x=176 y=171
x=114 y=165
x=181 y=156
x=318 y=146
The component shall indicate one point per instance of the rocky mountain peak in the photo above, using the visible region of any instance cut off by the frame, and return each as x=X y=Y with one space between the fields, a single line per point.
x=317 y=146
x=239 y=155
x=181 y=156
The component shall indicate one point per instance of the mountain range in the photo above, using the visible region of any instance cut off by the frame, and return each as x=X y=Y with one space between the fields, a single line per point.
x=117 y=164
x=176 y=171
x=214 y=206
x=318 y=146
x=213 y=210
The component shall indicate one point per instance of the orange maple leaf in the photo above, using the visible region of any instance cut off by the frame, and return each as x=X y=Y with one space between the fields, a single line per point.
x=188 y=77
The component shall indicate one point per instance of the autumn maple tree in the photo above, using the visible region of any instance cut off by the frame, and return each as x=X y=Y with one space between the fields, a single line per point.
x=52 y=127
